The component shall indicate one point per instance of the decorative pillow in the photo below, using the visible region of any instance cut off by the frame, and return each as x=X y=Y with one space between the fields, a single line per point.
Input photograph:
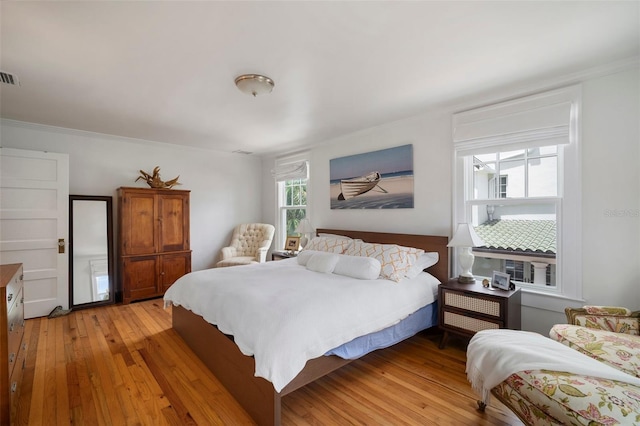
x=424 y=261
x=395 y=260
x=323 y=262
x=362 y=268
x=412 y=254
x=328 y=244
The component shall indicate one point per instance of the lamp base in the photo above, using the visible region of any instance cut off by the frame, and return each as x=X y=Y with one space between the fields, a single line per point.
x=466 y=280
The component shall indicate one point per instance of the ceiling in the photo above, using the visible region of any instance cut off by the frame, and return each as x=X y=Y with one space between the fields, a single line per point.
x=164 y=71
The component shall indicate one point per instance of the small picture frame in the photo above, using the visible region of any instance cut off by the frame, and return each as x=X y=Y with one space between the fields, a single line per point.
x=292 y=244
x=500 y=280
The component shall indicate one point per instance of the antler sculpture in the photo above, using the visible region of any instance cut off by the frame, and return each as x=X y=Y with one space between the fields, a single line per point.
x=154 y=181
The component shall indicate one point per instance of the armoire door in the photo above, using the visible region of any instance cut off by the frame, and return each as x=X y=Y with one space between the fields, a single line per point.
x=173 y=216
x=139 y=224
x=172 y=267
x=139 y=277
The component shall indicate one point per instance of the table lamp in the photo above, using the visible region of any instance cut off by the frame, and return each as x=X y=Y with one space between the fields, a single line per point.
x=465 y=238
x=304 y=228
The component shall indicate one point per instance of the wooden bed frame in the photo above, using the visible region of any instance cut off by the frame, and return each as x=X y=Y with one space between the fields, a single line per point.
x=236 y=371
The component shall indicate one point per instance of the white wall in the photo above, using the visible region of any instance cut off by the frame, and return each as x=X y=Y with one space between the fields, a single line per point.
x=224 y=186
x=611 y=189
x=610 y=185
x=610 y=198
x=428 y=133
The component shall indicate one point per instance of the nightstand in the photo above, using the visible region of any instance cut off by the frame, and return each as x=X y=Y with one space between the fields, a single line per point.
x=279 y=255
x=465 y=309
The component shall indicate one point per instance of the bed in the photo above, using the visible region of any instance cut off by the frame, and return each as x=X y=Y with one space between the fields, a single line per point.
x=260 y=397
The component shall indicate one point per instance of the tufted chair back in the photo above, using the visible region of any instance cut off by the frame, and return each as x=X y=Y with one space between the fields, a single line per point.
x=249 y=244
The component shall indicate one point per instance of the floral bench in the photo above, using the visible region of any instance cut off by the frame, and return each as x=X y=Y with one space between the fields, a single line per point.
x=547 y=397
x=607 y=334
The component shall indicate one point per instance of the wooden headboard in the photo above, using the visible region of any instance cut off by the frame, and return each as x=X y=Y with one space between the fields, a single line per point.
x=428 y=243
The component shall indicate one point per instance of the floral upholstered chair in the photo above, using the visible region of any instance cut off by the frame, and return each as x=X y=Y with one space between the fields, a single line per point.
x=250 y=243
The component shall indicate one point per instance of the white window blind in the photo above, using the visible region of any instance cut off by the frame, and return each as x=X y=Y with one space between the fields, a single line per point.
x=532 y=121
x=290 y=171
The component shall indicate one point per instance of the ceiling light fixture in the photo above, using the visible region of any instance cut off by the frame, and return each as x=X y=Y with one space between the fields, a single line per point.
x=254 y=84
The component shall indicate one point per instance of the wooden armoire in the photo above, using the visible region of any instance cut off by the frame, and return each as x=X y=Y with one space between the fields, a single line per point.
x=154 y=242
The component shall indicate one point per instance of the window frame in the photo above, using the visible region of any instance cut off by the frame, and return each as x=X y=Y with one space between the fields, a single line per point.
x=503 y=184
x=471 y=201
x=568 y=200
x=287 y=169
x=283 y=208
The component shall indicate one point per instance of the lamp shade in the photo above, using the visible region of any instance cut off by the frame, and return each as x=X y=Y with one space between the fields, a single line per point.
x=304 y=227
x=465 y=236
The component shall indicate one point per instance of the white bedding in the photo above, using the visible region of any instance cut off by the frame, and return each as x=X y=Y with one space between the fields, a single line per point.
x=284 y=315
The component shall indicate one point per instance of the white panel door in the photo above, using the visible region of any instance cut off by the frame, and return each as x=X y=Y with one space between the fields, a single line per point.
x=34 y=209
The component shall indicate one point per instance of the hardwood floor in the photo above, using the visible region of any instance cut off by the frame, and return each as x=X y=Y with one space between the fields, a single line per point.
x=124 y=364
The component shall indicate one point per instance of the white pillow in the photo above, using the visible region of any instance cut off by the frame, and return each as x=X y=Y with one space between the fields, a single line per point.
x=395 y=260
x=424 y=261
x=362 y=268
x=322 y=262
x=328 y=244
x=304 y=256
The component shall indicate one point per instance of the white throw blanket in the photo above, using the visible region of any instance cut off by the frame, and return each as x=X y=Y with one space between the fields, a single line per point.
x=494 y=355
x=284 y=315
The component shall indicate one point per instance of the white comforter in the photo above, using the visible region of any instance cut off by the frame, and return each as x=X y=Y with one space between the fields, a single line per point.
x=284 y=315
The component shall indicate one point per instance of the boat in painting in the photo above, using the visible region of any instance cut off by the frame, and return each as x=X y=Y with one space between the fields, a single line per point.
x=357 y=186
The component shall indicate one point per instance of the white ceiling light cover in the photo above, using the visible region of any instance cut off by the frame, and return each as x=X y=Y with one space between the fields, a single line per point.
x=254 y=84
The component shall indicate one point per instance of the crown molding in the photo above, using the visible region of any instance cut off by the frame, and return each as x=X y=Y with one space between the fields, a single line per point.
x=93 y=135
x=514 y=91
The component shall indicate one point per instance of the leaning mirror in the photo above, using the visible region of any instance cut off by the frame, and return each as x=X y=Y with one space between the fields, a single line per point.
x=91 y=280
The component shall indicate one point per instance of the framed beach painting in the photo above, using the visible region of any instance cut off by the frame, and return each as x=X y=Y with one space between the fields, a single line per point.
x=374 y=180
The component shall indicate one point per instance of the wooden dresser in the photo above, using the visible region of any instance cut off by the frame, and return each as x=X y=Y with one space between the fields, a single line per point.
x=13 y=345
x=154 y=241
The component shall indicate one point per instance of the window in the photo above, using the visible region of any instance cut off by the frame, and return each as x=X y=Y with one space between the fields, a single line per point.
x=100 y=279
x=502 y=188
x=291 y=175
x=516 y=180
x=517 y=221
x=496 y=186
x=293 y=206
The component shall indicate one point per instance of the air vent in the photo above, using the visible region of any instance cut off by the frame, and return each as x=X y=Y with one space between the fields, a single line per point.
x=8 y=78
x=239 y=151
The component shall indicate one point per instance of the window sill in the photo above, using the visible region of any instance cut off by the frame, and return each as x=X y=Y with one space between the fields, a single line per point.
x=549 y=301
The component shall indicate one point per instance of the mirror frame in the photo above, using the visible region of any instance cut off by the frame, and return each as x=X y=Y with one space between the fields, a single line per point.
x=112 y=283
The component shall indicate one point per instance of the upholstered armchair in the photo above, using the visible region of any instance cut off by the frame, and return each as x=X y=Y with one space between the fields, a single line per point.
x=249 y=244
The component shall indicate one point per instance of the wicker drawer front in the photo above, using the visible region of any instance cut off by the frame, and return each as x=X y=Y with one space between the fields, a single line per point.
x=467 y=323
x=473 y=304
